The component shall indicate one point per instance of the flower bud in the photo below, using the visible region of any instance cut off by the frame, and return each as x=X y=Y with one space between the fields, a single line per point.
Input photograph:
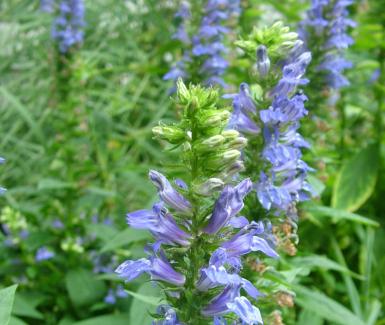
x=171 y=134
x=214 y=118
x=231 y=155
x=208 y=187
x=237 y=143
x=230 y=134
x=235 y=168
x=210 y=143
x=221 y=160
x=263 y=61
x=182 y=91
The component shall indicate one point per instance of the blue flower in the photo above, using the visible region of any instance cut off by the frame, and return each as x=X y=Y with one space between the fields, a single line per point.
x=67 y=28
x=47 y=5
x=110 y=298
x=329 y=21
x=229 y=203
x=160 y=223
x=157 y=267
x=168 y=314
x=207 y=44
x=229 y=300
x=209 y=41
x=263 y=61
x=168 y=194
x=282 y=182
x=43 y=254
x=249 y=239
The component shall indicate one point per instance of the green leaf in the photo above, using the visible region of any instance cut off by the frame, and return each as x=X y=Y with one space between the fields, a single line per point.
x=322 y=262
x=338 y=215
x=325 y=307
x=83 y=288
x=109 y=319
x=125 y=238
x=26 y=307
x=316 y=184
x=356 y=180
x=308 y=317
x=101 y=231
x=7 y=296
x=145 y=302
x=16 y=321
x=53 y=184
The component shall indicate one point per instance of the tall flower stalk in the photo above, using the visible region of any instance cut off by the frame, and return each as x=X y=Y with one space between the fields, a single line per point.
x=67 y=28
x=204 y=50
x=199 y=239
x=270 y=118
x=325 y=33
x=268 y=112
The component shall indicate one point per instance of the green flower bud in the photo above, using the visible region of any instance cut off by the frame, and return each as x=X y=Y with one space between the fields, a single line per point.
x=171 y=134
x=238 y=143
x=232 y=170
x=210 y=143
x=207 y=188
x=222 y=160
x=231 y=155
x=214 y=118
x=230 y=134
x=182 y=92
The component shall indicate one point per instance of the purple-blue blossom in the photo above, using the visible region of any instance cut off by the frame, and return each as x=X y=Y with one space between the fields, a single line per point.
x=47 y=5
x=67 y=28
x=329 y=20
x=225 y=263
x=179 y=68
x=43 y=253
x=159 y=268
x=209 y=42
x=168 y=194
x=282 y=180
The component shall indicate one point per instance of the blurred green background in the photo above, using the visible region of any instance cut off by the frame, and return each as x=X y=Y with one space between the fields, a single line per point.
x=76 y=135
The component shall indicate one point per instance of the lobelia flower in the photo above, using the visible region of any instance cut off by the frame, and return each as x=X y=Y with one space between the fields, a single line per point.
x=207 y=45
x=328 y=20
x=43 y=254
x=282 y=182
x=179 y=69
x=198 y=249
x=209 y=42
x=67 y=28
x=47 y=5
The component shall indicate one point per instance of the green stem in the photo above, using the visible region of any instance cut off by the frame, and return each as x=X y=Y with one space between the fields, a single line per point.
x=379 y=92
x=341 y=109
x=192 y=306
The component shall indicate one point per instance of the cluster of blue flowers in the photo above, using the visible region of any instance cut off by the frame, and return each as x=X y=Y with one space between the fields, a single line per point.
x=285 y=182
x=328 y=20
x=179 y=69
x=208 y=44
x=47 y=5
x=213 y=239
x=282 y=181
x=67 y=28
x=114 y=294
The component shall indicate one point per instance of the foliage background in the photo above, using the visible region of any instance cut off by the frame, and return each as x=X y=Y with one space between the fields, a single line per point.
x=77 y=138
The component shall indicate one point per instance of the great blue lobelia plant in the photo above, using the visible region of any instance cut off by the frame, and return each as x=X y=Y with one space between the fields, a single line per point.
x=199 y=238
